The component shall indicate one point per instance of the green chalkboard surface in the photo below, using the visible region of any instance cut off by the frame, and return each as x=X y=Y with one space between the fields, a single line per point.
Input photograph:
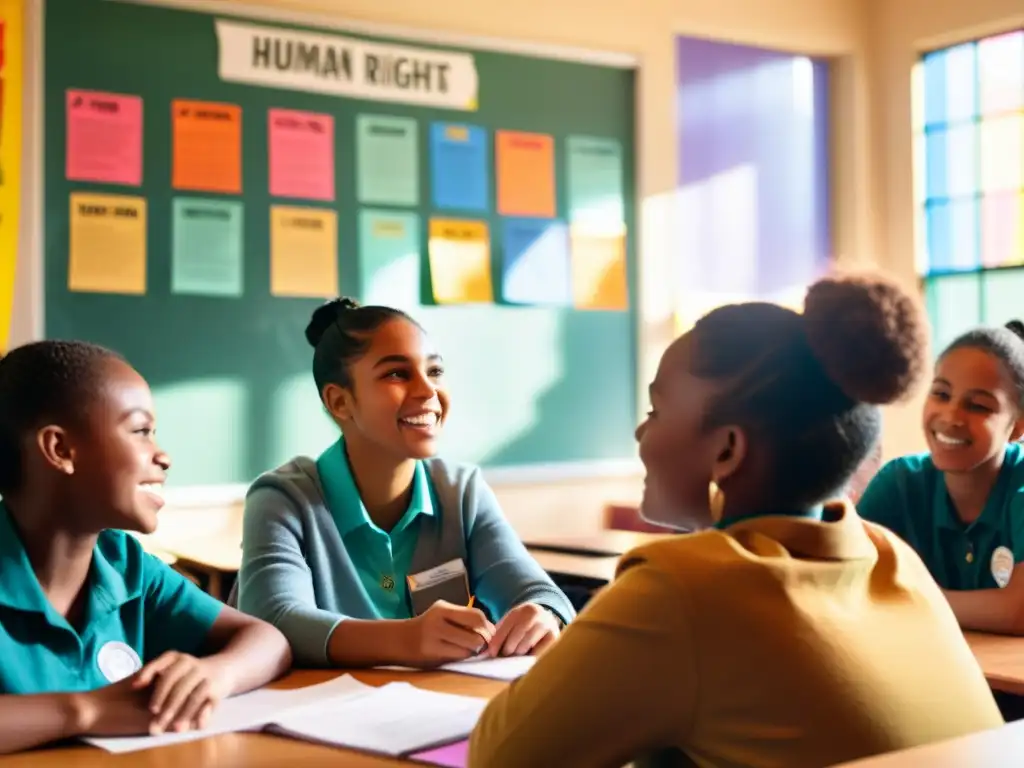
x=231 y=374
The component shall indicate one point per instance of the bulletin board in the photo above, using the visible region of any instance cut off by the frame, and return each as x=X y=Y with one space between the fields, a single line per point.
x=209 y=180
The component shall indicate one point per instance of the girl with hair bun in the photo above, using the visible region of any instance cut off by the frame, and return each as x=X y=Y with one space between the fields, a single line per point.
x=789 y=631
x=377 y=552
x=961 y=504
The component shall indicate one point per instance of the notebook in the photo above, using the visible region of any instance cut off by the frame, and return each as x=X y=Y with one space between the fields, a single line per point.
x=250 y=711
x=397 y=719
x=500 y=668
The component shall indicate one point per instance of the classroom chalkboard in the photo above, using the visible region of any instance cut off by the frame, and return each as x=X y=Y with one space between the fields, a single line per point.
x=531 y=385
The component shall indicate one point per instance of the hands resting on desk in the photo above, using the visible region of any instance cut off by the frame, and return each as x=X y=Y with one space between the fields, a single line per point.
x=175 y=692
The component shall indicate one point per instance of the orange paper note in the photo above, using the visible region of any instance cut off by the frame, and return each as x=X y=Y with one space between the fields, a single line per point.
x=303 y=252
x=526 y=174
x=599 y=271
x=460 y=261
x=207 y=146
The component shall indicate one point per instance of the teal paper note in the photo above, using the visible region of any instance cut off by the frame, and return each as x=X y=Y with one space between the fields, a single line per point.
x=389 y=258
x=595 y=183
x=387 y=160
x=206 y=251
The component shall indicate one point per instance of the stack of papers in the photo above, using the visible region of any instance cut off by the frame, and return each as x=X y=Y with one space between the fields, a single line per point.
x=397 y=719
x=501 y=668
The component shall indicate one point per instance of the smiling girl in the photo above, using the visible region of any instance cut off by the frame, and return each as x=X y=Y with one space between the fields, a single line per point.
x=377 y=553
x=961 y=505
x=96 y=636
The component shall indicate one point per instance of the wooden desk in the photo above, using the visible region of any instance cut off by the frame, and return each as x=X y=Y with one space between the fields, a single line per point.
x=1001 y=659
x=585 y=570
x=259 y=750
x=601 y=544
x=994 y=748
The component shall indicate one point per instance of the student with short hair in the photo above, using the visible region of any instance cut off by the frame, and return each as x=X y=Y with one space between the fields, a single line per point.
x=97 y=637
x=961 y=504
x=789 y=632
x=377 y=552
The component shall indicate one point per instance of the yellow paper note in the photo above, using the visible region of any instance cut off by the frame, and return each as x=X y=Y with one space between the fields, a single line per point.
x=108 y=244
x=599 y=271
x=460 y=261
x=11 y=16
x=303 y=252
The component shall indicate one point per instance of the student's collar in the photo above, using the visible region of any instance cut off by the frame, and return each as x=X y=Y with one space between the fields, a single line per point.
x=839 y=534
x=811 y=514
x=20 y=588
x=343 y=497
x=946 y=516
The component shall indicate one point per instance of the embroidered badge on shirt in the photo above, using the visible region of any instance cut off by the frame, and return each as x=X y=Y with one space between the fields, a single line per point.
x=117 y=661
x=1002 y=566
x=387 y=583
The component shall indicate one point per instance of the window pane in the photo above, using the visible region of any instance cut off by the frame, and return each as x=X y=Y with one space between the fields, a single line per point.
x=961 y=83
x=1002 y=162
x=962 y=160
x=1003 y=292
x=937 y=164
x=964 y=215
x=935 y=88
x=954 y=306
x=1001 y=73
x=1002 y=237
x=939 y=236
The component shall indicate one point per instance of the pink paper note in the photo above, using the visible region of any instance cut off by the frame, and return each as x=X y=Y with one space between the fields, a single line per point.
x=451 y=756
x=301 y=155
x=104 y=137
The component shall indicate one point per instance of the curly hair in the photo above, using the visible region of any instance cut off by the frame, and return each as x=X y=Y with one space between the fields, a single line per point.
x=45 y=381
x=807 y=384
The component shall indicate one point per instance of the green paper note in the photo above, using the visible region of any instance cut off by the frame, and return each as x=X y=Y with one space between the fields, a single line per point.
x=206 y=253
x=595 y=184
x=389 y=258
x=387 y=160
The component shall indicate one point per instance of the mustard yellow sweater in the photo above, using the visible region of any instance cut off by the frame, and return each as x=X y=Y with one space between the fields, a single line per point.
x=780 y=642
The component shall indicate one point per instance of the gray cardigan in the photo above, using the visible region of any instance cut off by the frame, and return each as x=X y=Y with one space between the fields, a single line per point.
x=297 y=574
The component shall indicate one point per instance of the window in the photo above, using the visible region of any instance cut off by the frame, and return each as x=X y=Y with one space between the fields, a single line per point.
x=969 y=183
x=752 y=190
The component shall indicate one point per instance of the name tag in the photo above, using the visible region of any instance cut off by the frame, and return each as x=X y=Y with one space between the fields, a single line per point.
x=436 y=575
x=448 y=581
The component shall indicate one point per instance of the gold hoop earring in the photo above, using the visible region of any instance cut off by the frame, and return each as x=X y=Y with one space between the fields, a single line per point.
x=716 y=501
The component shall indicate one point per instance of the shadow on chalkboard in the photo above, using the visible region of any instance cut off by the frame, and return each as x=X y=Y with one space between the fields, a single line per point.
x=564 y=396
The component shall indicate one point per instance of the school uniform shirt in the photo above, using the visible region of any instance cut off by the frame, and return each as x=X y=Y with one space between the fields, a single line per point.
x=909 y=497
x=311 y=555
x=778 y=641
x=137 y=608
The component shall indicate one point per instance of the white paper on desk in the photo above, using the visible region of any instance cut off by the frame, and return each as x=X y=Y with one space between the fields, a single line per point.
x=395 y=719
x=248 y=712
x=498 y=668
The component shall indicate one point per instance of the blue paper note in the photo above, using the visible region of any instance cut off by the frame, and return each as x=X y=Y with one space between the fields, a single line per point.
x=387 y=160
x=206 y=250
x=535 y=263
x=595 y=183
x=389 y=258
x=459 y=162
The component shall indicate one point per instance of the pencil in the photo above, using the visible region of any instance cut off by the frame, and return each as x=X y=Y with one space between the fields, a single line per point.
x=472 y=599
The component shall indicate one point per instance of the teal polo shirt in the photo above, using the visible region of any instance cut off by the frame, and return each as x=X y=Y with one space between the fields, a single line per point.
x=137 y=608
x=909 y=497
x=381 y=559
